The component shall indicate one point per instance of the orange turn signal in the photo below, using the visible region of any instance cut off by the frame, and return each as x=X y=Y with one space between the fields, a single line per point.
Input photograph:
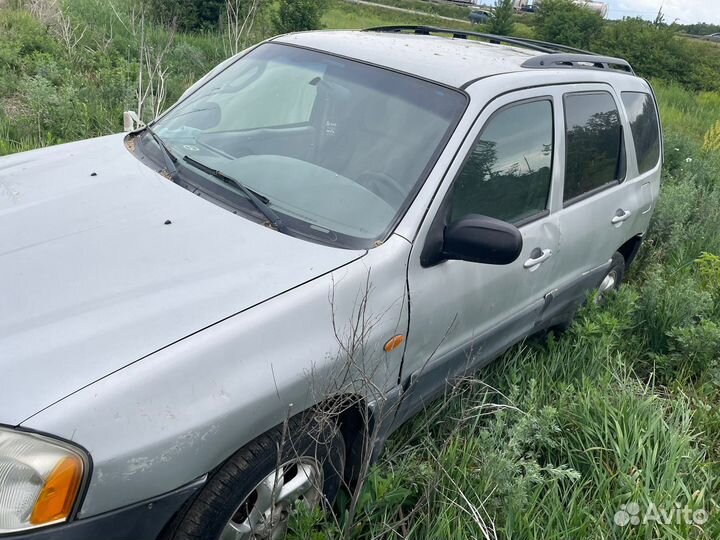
x=394 y=343
x=58 y=494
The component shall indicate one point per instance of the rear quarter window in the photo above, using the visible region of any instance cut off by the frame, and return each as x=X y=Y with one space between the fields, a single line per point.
x=640 y=108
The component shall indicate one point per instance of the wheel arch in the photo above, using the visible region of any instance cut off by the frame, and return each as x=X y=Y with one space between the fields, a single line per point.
x=629 y=250
x=356 y=420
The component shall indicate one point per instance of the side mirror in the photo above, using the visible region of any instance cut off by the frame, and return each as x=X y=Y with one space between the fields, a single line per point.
x=482 y=239
x=131 y=122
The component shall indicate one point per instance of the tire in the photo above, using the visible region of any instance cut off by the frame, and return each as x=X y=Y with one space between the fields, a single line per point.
x=613 y=278
x=308 y=470
x=616 y=272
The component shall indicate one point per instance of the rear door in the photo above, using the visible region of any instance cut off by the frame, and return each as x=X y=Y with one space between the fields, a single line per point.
x=599 y=198
x=464 y=313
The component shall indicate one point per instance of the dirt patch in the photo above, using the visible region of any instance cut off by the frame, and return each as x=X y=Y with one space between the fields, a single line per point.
x=46 y=11
x=14 y=107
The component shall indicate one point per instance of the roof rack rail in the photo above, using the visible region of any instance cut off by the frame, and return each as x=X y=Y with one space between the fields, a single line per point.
x=556 y=56
x=583 y=61
x=533 y=44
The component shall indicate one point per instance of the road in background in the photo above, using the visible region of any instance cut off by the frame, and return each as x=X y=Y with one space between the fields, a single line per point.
x=405 y=10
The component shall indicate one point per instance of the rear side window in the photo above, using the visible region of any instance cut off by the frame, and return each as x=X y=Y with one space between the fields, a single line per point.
x=594 y=153
x=507 y=176
x=643 y=118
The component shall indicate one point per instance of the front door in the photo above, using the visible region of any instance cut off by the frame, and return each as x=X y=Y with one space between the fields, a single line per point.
x=462 y=314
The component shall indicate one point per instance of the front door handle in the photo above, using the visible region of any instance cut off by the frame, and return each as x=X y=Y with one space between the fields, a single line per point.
x=620 y=216
x=537 y=257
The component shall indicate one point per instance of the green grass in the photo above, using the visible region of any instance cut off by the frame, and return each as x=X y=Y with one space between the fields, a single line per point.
x=352 y=16
x=688 y=113
x=345 y=15
x=551 y=440
x=436 y=8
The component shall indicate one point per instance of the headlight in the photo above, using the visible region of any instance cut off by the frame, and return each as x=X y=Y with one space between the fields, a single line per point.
x=39 y=480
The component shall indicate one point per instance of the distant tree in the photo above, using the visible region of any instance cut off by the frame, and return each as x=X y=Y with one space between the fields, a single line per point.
x=563 y=21
x=501 y=19
x=659 y=18
x=188 y=15
x=655 y=49
x=299 y=15
x=700 y=29
x=239 y=20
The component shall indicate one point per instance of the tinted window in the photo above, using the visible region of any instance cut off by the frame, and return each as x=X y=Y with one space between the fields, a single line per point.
x=645 y=130
x=594 y=151
x=507 y=176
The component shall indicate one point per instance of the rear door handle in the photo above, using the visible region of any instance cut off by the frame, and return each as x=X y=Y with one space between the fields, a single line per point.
x=620 y=216
x=537 y=257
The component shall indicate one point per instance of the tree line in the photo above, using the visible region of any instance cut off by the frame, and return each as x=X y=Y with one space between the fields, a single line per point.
x=655 y=49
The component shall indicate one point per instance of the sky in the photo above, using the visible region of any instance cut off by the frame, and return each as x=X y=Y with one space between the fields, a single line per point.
x=685 y=11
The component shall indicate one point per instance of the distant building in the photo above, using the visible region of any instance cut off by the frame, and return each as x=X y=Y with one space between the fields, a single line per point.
x=529 y=5
x=599 y=7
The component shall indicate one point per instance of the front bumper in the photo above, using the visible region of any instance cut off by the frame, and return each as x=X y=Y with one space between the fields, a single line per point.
x=141 y=521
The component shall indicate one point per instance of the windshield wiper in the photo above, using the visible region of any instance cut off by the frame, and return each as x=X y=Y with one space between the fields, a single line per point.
x=170 y=159
x=259 y=201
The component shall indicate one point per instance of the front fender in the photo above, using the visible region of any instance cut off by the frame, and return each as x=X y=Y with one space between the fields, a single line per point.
x=169 y=418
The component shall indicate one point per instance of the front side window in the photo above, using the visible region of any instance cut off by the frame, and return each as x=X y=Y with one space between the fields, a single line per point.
x=507 y=175
x=594 y=149
x=640 y=108
x=337 y=148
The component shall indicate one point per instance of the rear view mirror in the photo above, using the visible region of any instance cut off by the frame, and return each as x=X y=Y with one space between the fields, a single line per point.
x=482 y=239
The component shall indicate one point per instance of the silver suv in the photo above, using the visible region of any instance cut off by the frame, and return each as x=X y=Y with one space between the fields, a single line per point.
x=225 y=314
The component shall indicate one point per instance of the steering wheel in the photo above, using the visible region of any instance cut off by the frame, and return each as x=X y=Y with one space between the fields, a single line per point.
x=384 y=186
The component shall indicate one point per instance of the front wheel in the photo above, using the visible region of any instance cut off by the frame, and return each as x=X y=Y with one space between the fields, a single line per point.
x=253 y=495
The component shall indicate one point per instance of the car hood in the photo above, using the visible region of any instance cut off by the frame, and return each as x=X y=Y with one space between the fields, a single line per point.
x=103 y=261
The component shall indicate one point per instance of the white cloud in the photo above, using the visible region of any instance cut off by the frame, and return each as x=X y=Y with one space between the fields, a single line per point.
x=685 y=11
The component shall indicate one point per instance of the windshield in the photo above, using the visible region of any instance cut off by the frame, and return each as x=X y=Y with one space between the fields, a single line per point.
x=337 y=148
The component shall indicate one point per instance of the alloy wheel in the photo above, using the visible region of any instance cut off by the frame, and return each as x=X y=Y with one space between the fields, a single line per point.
x=265 y=512
x=608 y=284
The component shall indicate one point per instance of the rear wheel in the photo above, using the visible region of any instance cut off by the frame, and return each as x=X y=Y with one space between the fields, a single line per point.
x=610 y=283
x=253 y=495
x=613 y=278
